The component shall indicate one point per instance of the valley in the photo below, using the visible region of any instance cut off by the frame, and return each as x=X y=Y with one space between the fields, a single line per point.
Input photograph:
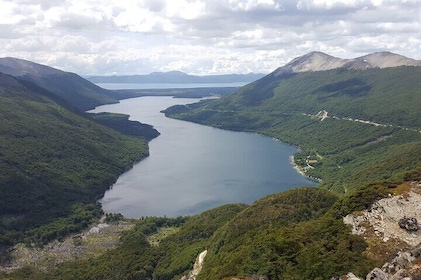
x=356 y=122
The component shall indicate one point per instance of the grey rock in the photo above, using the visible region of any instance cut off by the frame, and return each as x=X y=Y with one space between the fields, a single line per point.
x=377 y=274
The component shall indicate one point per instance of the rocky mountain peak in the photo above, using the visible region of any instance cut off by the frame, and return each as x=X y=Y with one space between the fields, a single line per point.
x=319 y=61
x=387 y=59
x=315 y=61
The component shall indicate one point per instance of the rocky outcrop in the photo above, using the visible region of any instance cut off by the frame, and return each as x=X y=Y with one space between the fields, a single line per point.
x=391 y=221
x=404 y=265
x=384 y=216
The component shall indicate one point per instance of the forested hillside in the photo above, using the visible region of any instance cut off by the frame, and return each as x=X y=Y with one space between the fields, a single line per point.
x=55 y=163
x=297 y=234
x=353 y=126
x=77 y=91
x=360 y=137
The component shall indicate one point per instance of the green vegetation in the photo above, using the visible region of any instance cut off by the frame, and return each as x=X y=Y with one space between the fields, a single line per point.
x=56 y=161
x=285 y=236
x=137 y=258
x=349 y=152
x=54 y=164
x=297 y=234
x=63 y=87
x=122 y=124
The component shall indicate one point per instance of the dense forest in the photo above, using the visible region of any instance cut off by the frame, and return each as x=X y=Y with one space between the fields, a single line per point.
x=55 y=163
x=297 y=234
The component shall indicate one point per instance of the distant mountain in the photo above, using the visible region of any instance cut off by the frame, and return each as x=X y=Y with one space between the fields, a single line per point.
x=176 y=77
x=74 y=89
x=318 y=61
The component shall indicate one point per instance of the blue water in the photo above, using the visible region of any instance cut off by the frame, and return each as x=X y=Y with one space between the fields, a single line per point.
x=193 y=168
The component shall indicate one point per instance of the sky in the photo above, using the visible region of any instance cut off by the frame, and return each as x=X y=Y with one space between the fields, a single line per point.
x=202 y=37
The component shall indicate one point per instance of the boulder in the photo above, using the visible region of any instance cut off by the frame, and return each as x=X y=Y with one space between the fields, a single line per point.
x=377 y=274
x=410 y=224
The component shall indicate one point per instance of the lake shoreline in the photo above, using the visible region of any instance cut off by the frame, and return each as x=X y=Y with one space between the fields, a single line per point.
x=193 y=168
x=300 y=170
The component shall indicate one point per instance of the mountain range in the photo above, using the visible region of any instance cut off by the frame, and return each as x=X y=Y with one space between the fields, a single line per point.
x=176 y=77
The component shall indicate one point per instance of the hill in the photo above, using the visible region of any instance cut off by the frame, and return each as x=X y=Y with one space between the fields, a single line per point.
x=353 y=126
x=77 y=91
x=54 y=164
x=176 y=77
x=297 y=234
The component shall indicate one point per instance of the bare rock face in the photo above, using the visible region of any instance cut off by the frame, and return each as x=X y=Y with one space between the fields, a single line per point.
x=386 y=217
x=314 y=61
x=318 y=61
x=391 y=221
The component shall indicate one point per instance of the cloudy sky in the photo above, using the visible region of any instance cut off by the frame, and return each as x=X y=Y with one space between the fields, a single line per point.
x=92 y=37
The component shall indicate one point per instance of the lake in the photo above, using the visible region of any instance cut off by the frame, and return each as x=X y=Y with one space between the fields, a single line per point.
x=193 y=168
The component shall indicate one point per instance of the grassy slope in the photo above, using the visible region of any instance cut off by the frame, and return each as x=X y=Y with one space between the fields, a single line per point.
x=349 y=153
x=52 y=158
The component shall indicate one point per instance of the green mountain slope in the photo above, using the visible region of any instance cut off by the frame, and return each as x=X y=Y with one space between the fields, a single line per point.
x=54 y=164
x=353 y=126
x=137 y=258
x=77 y=91
x=297 y=234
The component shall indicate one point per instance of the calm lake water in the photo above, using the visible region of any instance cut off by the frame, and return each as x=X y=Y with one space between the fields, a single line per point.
x=193 y=168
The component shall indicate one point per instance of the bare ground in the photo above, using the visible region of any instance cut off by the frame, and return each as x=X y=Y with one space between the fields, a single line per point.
x=90 y=243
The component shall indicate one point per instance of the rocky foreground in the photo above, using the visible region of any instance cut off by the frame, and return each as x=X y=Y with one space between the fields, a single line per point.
x=392 y=232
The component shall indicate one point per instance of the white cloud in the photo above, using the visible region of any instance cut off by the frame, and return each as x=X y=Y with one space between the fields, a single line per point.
x=331 y=4
x=185 y=9
x=202 y=36
x=247 y=5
